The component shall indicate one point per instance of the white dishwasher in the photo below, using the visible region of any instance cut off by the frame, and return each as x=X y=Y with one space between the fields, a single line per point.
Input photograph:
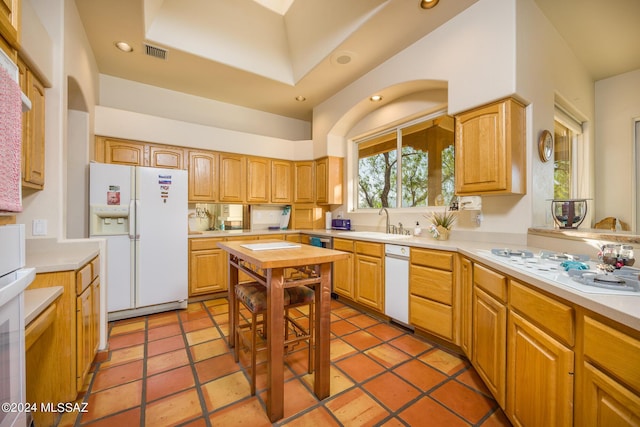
x=396 y=283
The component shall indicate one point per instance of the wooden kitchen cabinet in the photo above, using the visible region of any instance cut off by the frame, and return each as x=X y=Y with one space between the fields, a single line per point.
x=203 y=176
x=432 y=292
x=343 y=269
x=232 y=178
x=207 y=266
x=87 y=318
x=490 y=329
x=369 y=275
x=10 y=22
x=121 y=152
x=329 y=175
x=465 y=280
x=164 y=156
x=490 y=149
x=304 y=182
x=609 y=393
x=281 y=181
x=258 y=180
x=33 y=140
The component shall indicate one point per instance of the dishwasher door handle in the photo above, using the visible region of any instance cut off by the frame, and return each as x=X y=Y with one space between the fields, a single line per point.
x=394 y=256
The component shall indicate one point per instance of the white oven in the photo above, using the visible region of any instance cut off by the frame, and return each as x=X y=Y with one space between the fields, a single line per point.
x=14 y=278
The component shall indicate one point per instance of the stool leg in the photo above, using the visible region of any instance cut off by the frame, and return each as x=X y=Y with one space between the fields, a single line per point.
x=311 y=336
x=254 y=334
x=236 y=332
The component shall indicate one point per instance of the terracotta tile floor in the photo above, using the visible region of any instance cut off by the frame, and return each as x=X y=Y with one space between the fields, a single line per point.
x=175 y=368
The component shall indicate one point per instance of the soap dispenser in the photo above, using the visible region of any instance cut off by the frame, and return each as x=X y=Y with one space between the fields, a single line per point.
x=417 y=231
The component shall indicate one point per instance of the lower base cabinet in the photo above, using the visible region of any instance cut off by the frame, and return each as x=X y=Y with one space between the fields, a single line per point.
x=207 y=267
x=539 y=376
x=343 y=269
x=369 y=275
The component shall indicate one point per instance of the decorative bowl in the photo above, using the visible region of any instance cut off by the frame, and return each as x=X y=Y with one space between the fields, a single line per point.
x=568 y=213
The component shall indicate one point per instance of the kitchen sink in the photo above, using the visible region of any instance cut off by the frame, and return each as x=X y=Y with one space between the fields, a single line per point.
x=375 y=235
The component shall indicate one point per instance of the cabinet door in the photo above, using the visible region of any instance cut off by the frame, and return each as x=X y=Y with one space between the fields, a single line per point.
x=281 y=182
x=304 y=183
x=33 y=134
x=321 y=180
x=466 y=302
x=95 y=317
x=207 y=271
x=203 y=183
x=490 y=149
x=258 y=180
x=84 y=340
x=328 y=175
x=490 y=342
x=343 y=269
x=124 y=152
x=166 y=157
x=10 y=21
x=232 y=178
x=539 y=377
x=606 y=402
x=369 y=286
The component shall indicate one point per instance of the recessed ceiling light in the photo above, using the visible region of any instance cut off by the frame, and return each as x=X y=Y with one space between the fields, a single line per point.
x=300 y=98
x=376 y=98
x=124 y=46
x=428 y=4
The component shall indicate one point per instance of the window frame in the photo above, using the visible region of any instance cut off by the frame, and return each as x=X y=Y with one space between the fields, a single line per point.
x=398 y=135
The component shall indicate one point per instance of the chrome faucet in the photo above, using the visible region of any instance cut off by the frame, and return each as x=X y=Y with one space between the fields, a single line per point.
x=386 y=212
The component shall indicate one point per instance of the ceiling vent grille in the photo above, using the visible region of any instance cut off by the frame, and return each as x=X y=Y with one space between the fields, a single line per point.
x=156 y=52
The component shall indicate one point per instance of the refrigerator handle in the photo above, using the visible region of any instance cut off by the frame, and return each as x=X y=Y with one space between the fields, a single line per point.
x=133 y=220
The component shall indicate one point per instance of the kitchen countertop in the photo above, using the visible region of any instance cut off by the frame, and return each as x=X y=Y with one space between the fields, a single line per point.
x=624 y=309
x=50 y=255
x=37 y=300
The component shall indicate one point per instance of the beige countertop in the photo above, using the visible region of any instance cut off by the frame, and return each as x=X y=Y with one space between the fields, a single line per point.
x=37 y=300
x=621 y=308
x=50 y=255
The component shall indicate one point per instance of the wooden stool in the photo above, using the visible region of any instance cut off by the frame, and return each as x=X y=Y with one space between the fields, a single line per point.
x=253 y=296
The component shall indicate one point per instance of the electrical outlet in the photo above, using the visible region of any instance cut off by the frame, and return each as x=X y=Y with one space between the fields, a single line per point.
x=39 y=227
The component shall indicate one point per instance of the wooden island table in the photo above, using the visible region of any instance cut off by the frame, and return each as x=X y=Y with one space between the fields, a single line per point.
x=268 y=266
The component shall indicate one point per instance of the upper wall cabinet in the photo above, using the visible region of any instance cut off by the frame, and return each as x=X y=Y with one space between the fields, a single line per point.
x=281 y=181
x=10 y=22
x=303 y=182
x=490 y=149
x=166 y=157
x=232 y=178
x=258 y=179
x=32 y=129
x=329 y=180
x=203 y=176
x=120 y=152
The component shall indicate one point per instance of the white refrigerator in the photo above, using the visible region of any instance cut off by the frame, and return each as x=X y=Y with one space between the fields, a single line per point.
x=142 y=212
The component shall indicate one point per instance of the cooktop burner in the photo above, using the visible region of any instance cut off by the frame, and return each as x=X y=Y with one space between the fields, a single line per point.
x=624 y=279
x=512 y=253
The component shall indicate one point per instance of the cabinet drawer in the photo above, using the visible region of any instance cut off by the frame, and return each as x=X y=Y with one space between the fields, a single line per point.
x=429 y=283
x=431 y=316
x=435 y=259
x=95 y=267
x=492 y=282
x=343 y=245
x=553 y=316
x=616 y=352
x=83 y=278
x=203 y=244
x=371 y=249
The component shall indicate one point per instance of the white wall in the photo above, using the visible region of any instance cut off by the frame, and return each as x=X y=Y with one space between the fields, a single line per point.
x=141 y=98
x=617 y=106
x=494 y=49
x=119 y=123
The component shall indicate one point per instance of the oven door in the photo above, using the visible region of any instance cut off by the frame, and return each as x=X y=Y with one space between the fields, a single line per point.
x=12 y=363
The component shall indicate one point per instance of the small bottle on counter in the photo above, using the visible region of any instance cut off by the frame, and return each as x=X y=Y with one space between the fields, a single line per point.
x=417 y=231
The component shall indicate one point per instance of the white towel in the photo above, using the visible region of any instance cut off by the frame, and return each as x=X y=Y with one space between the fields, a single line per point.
x=10 y=143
